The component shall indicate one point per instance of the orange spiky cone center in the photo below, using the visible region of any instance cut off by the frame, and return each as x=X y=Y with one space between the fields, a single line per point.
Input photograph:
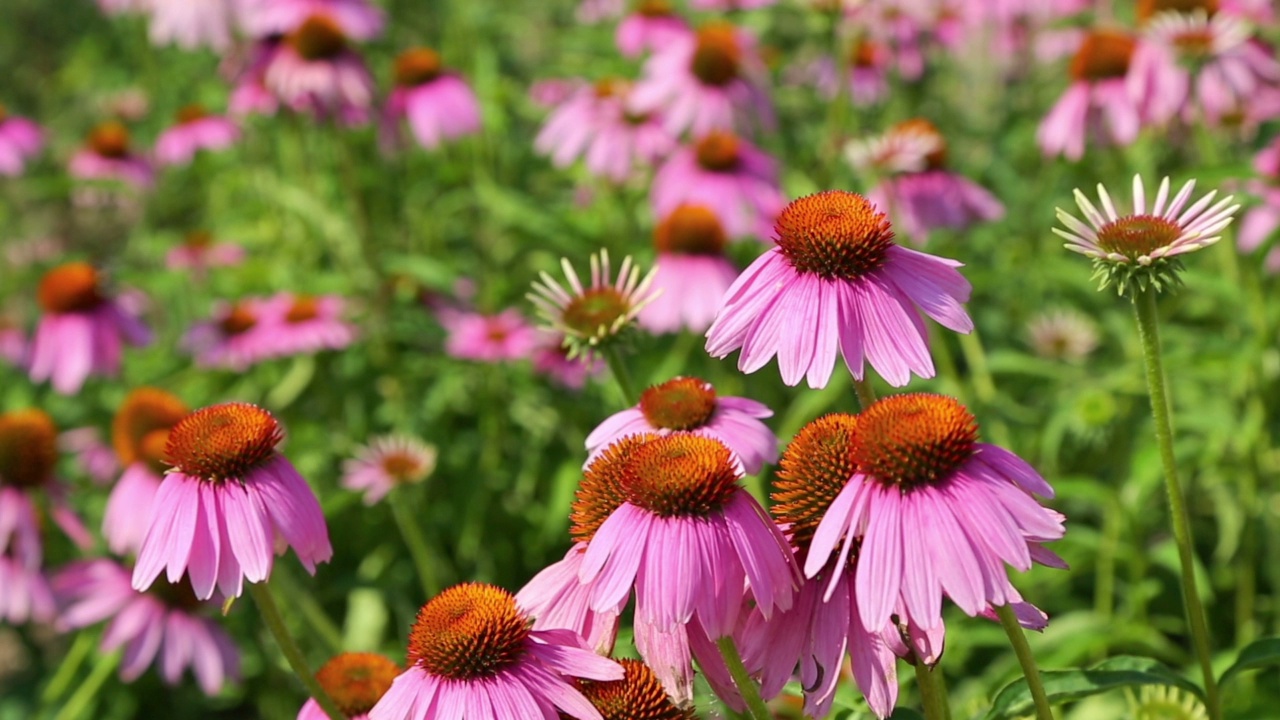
x=718 y=151
x=405 y=467
x=319 y=37
x=191 y=113
x=143 y=420
x=110 y=139
x=691 y=230
x=813 y=470
x=601 y=490
x=717 y=57
x=637 y=696
x=864 y=54
x=914 y=440
x=1134 y=236
x=223 y=442
x=238 y=319
x=28 y=448
x=357 y=681
x=682 y=403
x=611 y=87
x=833 y=234
x=304 y=308
x=919 y=126
x=69 y=288
x=1104 y=55
x=680 y=475
x=418 y=66
x=468 y=632
x=597 y=307
x=1149 y=8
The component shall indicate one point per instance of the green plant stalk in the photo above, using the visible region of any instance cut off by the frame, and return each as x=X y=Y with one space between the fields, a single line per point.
x=66 y=672
x=933 y=694
x=275 y=623
x=1144 y=305
x=866 y=393
x=756 y=709
x=1018 y=639
x=418 y=548
x=620 y=374
x=79 y=701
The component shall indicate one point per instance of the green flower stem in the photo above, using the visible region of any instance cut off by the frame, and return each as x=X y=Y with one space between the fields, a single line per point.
x=418 y=548
x=1018 y=639
x=79 y=702
x=69 y=667
x=866 y=393
x=1144 y=304
x=756 y=709
x=620 y=375
x=933 y=694
x=275 y=623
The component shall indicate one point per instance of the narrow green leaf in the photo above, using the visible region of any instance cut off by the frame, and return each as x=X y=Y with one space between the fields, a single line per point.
x=1014 y=699
x=1255 y=655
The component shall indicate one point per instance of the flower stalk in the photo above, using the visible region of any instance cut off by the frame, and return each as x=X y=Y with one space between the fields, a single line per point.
x=1018 y=639
x=756 y=708
x=1144 y=304
x=275 y=623
x=933 y=694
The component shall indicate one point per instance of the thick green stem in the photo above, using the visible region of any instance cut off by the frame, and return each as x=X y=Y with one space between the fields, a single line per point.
x=1144 y=304
x=866 y=393
x=86 y=691
x=933 y=694
x=418 y=548
x=756 y=709
x=275 y=623
x=620 y=375
x=1028 y=662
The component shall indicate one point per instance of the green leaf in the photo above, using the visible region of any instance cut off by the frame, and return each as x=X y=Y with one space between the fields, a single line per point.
x=1255 y=655
x=1014 y=699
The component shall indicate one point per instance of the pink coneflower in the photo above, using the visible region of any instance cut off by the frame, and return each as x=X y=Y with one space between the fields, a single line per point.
x=438 y=104
x=196 y=130
x=868 y=73
x=934 y=511
x=13 y=342
x=163 y=623
x=1098 y=104
x=25 y=594
x=836 y=279
x=191 y=24
x=1229 y=68
x=228 y=501
x=595 y=124
x=1141 y=237
x=651 y=25
x=551 y=358
x=704 y=81
x=689 y=540
x=556 y=600
x=551 y=92
x=727 y=174
x=488 y=338
x=93 y=457
x=472 y=653
x=1260 y=221
x=20 y=140
x=315 y=70
x=690 y=404
x=357 y=19
x=198 y=252
x=234 y=338
x=81 y=330
x=107 y=155
x=298 y=324
x=139 y=433
x=386 y=462
x=28 y=456
x=355 y=682
x=249 y=93
x=691 y=272
x=931 y=197
x=591 y=315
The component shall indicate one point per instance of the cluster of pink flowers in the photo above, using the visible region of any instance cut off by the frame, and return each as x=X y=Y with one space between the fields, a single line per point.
x=254 y=329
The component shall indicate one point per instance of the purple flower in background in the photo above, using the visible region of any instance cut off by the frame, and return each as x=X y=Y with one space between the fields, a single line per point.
x=20 y=140
x=691 y=272
x=81 y=331
x=650 y=26
x=198 y=252
x=28 y=457
x=107 y=155
x=1099 y=105
x=438 y=105
x=139 y=434
x=191 y=24
x=357 y=19
x=315 y=70
x=594 y=123
x=300 y=324
x=488 y=338
x=195 y=130
x=160 y=625
x=386 y=462
x=726 y=174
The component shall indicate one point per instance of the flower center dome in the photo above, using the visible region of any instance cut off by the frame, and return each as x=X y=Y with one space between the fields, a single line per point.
x=1150 y=8
x=1136 y=236
x=913 y=440
x=833 y=234
x=814 y=468
x=680 y=475
x=191 y=113
x=718 y=151
x=690 y=230
x=682 y=403
x=469 y=631
x=223 y=442
x=144 y=418
x=1104 y=55
x=304 y=308
x=418 y=66
x=717 y=57
x=357 y=681
x=637 y=696
x=28 y=448
x=238 y=319
x=601 y=490
x=319 y=37
x=70 y=288
x=110 y=140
